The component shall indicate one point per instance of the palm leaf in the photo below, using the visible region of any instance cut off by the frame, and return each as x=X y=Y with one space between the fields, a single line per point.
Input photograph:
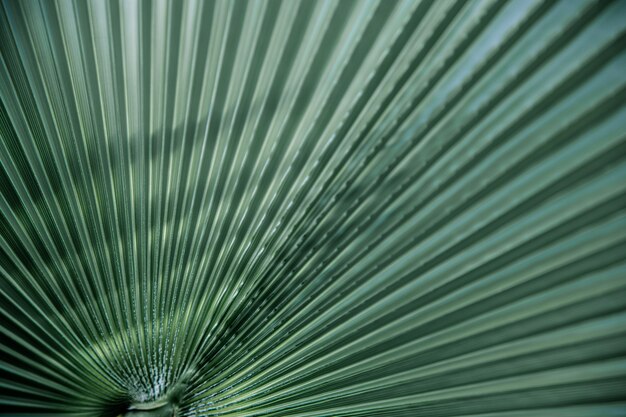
x=313 y=208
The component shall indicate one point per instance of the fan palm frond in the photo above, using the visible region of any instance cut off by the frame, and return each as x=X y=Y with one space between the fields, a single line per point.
x=313 y=208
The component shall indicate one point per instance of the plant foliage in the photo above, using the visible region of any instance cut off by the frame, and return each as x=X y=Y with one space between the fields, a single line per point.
x=313 y=208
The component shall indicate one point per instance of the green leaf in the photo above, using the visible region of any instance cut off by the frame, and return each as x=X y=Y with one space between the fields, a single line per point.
x=313 y=208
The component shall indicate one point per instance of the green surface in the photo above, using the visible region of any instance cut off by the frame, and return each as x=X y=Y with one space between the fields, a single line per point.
x=314 y=208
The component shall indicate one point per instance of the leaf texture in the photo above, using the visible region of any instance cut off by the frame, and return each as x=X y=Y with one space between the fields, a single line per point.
x=313 y=208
